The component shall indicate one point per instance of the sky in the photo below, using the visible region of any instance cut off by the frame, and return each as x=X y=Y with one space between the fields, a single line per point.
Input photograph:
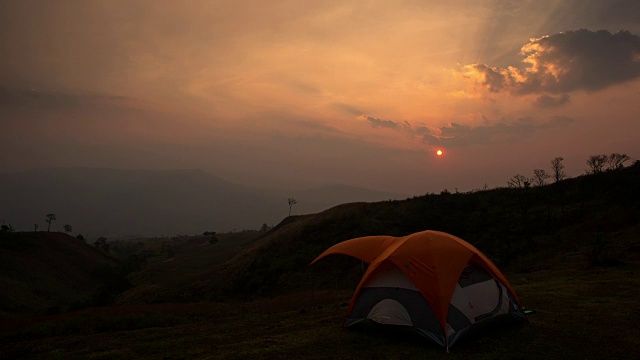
x=297 y=94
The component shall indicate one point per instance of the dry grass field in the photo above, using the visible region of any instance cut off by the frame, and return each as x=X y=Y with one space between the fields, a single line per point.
x=580 y=314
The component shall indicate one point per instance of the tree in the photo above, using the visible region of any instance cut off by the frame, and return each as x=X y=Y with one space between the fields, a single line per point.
x=213 y=239
x=558 y=169
x=265 y=227
x=6 y=228
x=539 y=177
x=616 y=161
x=35 y=227
x=67 y=228
x=596 y=163
x=49 y=219
x=519 y=181
x=102 y=244
x=291 y=202
x=524 y=201
x=80 y=237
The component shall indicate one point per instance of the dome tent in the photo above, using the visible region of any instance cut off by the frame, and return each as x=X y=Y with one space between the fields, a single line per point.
x=436 y=283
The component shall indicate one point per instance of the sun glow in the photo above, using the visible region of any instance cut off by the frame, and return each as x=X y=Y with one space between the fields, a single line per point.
x=439 y=152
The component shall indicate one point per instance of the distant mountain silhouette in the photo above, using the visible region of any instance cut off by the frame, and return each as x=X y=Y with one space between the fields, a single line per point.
x=114 y=202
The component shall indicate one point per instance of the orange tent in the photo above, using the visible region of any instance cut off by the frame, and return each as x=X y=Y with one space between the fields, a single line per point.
x=434 y=262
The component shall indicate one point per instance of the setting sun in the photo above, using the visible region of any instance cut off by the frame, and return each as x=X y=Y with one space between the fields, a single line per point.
x=439 y=152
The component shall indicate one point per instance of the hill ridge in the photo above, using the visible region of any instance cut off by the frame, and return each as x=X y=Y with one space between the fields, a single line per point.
x=46 y=272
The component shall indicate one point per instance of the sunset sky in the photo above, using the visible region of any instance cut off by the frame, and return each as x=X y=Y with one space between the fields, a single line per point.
x=303 y=93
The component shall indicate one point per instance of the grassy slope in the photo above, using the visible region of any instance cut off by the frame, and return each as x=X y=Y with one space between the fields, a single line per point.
x=180 y=266
x=582 y=314
x=47 y=272
x=521 y=230
x=578 y=269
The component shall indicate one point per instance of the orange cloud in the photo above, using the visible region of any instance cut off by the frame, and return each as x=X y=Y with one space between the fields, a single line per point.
x=562 y=63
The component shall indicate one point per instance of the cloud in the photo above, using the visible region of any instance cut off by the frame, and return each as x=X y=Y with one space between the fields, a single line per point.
x=565 y=62
x=381 y=123
x=422 y=130
x=458 y=135
x=388 y=124
x=546 y=101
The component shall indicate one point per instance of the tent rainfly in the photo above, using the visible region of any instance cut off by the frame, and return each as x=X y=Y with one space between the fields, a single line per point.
x=434 y=283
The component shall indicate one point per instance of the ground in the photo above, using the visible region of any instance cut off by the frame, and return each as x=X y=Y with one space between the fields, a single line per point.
x=580 y=314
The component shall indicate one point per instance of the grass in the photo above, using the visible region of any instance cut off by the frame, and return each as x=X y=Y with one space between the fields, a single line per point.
x=581 y=314
x=179 y=264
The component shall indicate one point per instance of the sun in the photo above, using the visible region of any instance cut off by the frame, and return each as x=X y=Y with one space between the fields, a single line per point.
x=439 y=152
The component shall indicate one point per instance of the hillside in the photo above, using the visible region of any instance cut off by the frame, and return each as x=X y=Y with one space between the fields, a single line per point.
x=523 y=230
x=43 y=272
x=337 y=194
x=594 y=218
x=112 y=202
x=175 y=268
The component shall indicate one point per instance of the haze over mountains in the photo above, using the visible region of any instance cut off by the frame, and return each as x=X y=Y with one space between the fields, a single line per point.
x=115 y=202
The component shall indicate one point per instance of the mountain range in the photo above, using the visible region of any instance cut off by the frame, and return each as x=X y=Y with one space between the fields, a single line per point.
x=120 y=203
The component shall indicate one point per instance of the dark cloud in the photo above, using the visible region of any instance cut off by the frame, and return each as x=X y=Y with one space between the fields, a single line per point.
x=619 y=11
x=546 y=101
x=377 y=123
x=422 y=130
x=566 y=62
x=458 y=135
x=388 y=124
x=505 y=19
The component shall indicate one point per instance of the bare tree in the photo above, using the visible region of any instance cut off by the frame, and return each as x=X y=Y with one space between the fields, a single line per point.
x=616 y=161
x=35 y=227
x=519 y=181
x=558 y=169
x=540 y=176
x=596 y=163
x=291 y=202
x=67 y=228
x=49 y=219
